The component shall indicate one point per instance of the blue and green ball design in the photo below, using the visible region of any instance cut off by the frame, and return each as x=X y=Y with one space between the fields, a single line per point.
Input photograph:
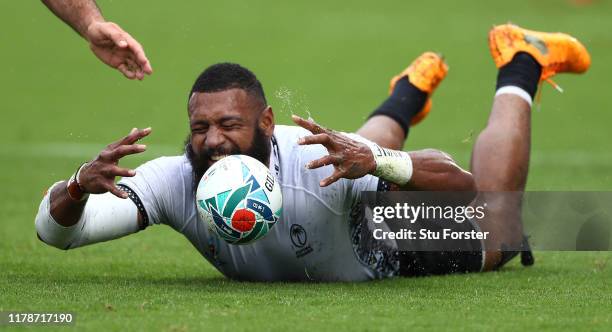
x=240 y=215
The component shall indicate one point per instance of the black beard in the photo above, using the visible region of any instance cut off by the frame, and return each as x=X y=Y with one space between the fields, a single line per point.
x=260 y=150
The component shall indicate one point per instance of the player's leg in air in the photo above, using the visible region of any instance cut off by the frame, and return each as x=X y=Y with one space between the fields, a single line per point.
x=408 y=103
x=500 y=158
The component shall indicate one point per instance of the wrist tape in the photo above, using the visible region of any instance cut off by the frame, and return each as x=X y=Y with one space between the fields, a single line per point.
x=391 y=165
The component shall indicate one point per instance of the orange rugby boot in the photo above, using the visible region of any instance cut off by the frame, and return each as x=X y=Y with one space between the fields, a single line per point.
x=425 y=73
x=555 y=52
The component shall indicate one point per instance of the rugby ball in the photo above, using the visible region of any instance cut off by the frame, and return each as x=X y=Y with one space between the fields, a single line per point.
x=239 y=199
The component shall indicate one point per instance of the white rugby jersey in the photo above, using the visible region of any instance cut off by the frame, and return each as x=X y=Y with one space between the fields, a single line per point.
x=313 y=240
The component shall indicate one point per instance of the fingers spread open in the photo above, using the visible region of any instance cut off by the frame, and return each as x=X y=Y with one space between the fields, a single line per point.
x=331 y=179
x=124 y=150
x=116 y=191
x=134 y=136
x=137 y=135
x=315 y=139
x=123 y=172
x=324 y=161
x=312 y=126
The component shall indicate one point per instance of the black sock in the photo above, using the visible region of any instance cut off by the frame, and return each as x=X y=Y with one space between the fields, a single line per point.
x=403 y=104
x=523 y=71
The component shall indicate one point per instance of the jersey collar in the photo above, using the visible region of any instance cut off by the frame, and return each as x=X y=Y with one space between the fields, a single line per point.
x=275 y=158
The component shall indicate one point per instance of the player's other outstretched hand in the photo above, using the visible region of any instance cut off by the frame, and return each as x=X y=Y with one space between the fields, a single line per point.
x=118 y=49
x=351 y=159
x=98 y=175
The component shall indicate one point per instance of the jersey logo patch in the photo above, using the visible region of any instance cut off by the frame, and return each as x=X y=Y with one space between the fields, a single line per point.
x=299 y=239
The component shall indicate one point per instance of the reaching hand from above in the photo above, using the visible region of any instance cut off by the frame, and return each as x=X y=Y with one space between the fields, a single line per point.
x=118 y=49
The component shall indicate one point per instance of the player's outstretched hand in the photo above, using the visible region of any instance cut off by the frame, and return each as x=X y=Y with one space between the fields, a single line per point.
x=118 y=49
x=98 y=175
x=351 y=159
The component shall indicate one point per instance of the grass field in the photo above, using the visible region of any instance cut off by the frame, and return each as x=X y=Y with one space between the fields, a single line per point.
x=332 y=60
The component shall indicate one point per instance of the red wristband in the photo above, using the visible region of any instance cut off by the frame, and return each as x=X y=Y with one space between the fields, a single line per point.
x=75 y=191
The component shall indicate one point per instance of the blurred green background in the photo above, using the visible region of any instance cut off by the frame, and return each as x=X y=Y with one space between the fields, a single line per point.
x=331 y=60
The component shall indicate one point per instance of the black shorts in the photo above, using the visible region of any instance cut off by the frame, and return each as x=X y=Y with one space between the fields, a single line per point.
x=412 y=258
x=399 y=260
x=415 y=258
x=450 y=256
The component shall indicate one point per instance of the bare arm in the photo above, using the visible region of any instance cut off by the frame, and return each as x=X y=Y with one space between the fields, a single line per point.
x=79 y=14
x=111 y=44
x=96 y=177
x=432 y=170
x=383 y=131
x=68 y=217
x=65 y=210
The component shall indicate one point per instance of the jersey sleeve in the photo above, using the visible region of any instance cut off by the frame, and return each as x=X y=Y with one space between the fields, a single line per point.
x=105 y=217
x=366 y=183
x=152 y=189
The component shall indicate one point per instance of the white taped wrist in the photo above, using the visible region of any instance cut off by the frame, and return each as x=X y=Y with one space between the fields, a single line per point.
x=391 y=165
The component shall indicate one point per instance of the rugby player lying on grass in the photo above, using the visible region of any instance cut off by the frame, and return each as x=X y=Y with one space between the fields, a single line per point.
x=317 y=237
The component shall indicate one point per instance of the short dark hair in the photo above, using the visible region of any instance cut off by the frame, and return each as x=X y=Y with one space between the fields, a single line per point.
x=225 y=76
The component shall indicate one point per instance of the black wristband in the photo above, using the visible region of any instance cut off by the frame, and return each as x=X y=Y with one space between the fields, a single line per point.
x=143 y=212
